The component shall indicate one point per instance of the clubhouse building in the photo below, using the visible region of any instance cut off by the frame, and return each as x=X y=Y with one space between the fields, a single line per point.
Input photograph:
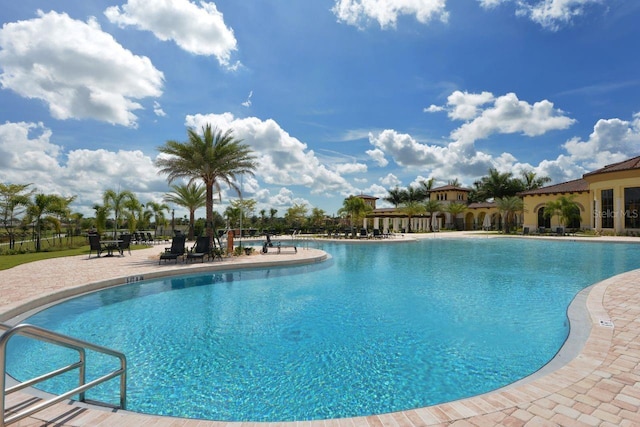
x=608 y=200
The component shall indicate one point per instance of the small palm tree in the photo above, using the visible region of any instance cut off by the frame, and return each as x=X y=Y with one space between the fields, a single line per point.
x=455 y=209
x=432 y=206
x=509 y=207
x=190 y=196
x=566 y=209
x=43 y=210
x=354 y=208
x=411 y=209
x=157 y=211
x=14 y=200
x=215 y=157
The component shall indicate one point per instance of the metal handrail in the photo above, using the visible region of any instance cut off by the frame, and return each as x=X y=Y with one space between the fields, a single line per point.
x=41 y=334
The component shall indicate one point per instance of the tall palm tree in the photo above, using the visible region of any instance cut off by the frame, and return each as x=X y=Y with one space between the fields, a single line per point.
x=495 y=185
x=190 y=196
x=215 y=157
x=426 y=186
x=531 y=180
x=412 y=194
x=509 y=207
x=394 y=197
x=116 y=201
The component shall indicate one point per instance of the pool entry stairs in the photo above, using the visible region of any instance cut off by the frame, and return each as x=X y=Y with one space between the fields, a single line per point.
x=23 y=410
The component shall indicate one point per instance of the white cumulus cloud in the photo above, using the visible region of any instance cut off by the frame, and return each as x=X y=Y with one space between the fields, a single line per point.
x=27 y=155
x=282 y=159
x=549 y=14
x=386 y=12
x=78 y=70
x=200 y=30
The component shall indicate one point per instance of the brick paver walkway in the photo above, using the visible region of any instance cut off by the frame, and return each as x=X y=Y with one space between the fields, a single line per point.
x=599 y=387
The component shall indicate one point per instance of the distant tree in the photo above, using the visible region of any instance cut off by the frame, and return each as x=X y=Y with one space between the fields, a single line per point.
x=509 y=207
x=14 y=200
x=317 y=217
x=116 y=201
x=63 y=214
x=244 y=209
x=190 y=196
x=454 y=182
x=354 y=208
x=296 y=215
x=135 y=214
x=531 y=181
x=157 y=211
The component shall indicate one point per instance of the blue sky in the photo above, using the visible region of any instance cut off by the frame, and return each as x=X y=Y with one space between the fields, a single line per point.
x=336 y=97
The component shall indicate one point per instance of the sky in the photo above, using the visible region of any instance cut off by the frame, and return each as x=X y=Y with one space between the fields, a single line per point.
x=335 y=97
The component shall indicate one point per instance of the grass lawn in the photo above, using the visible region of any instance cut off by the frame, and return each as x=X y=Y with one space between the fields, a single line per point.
x=8 y=261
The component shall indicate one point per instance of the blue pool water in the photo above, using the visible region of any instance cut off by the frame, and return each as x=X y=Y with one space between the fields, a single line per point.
x=378 y=328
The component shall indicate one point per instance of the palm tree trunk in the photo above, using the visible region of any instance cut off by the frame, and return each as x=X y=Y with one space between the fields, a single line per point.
x=209 y=224
x=192 y=221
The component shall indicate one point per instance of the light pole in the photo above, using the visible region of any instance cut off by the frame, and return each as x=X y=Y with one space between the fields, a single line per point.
x=173 y=222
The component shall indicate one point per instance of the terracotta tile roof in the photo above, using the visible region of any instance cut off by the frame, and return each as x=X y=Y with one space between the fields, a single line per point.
x=449 y=187
x=575 y=186
x=624 y=165
x=478 y=205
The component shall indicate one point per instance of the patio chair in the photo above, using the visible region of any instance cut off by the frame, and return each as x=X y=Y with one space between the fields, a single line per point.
x=94 y=245
x=176 y=250
x=125 y=244
x=201 y=248
x=150 y=239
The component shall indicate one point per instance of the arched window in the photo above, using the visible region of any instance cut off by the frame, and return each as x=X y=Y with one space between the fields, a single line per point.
x=542 y=221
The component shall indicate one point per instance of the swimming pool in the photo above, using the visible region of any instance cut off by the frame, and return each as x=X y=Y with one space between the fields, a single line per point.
x=377 y=329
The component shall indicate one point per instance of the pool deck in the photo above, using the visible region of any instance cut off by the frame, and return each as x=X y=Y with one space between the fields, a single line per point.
x=599 y=387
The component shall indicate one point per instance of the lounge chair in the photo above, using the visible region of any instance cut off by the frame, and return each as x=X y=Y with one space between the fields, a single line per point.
x=125 y=243
x=95 y=245
x=150 y=239
x=201 y=248
x=176 y=250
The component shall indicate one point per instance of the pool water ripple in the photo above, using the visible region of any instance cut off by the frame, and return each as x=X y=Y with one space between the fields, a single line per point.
x=379 y=328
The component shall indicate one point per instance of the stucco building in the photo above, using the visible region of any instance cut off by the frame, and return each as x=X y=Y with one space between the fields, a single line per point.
x=608 y=200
